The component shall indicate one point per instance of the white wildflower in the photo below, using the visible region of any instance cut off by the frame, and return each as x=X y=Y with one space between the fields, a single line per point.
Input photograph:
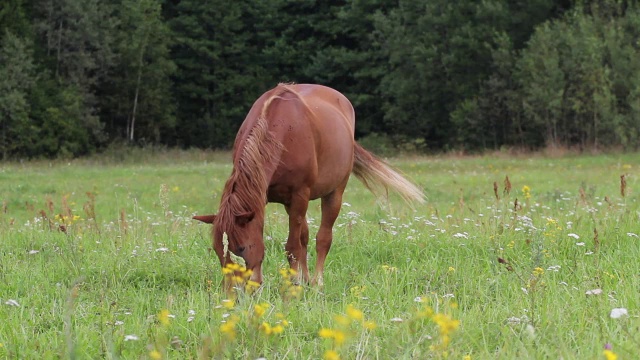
x=12 y=302
x=594 y=292
x=617 y=313
x=531 y=331
x=514 y=320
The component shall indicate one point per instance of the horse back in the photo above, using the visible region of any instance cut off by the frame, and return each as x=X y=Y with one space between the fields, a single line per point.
x=315 y=126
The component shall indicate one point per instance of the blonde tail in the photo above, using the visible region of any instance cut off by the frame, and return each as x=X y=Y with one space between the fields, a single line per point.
x=376 y=175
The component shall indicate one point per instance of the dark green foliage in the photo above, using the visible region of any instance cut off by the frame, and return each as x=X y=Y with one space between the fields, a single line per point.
x=14 y=19
x=215 y=69
x=422 y=75
x=17 y=74
x=574 y=80
x=137 y=103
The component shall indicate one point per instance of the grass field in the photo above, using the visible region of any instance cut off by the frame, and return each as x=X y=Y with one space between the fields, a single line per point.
x=99 y=259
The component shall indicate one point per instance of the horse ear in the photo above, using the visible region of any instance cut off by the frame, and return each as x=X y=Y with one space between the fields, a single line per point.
x=207 y=219
x=245 y=218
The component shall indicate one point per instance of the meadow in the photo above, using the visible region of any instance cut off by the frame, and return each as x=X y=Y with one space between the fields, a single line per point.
x=526 y=257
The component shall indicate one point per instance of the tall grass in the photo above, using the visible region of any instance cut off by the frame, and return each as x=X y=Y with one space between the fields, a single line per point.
x=100 y=259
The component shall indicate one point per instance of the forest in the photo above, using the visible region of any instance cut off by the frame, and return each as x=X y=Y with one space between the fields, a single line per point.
x=77 y=76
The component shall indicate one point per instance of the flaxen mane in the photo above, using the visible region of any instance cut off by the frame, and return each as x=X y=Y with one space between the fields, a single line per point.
x=246 y=189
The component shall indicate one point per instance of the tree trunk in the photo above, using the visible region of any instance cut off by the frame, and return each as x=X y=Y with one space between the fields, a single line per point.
x=58 y=50
x=137 y=91
x=135 y=104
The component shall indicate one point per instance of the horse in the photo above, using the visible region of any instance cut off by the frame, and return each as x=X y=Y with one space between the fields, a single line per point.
x=296 y=144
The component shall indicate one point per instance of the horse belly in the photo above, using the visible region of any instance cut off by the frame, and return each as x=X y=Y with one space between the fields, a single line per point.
x=334 y=162
x=296 y=171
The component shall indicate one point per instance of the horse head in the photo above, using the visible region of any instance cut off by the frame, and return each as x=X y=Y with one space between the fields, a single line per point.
x=244 y=236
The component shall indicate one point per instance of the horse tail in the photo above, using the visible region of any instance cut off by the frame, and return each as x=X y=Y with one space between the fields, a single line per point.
x=376 y=176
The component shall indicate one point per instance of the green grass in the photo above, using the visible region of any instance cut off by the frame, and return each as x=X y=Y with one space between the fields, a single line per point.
x=82 y=291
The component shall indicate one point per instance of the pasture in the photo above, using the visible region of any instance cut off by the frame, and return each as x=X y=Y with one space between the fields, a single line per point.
x=99 y=258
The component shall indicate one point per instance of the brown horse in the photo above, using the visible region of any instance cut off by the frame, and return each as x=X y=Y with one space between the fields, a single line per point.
x=295 y=145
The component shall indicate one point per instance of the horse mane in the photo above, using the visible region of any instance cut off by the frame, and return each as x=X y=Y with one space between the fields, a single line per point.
x=246 y=189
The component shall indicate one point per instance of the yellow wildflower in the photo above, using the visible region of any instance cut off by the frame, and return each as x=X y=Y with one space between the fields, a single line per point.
x=339 y=337
x=610 y=355
x=526 y=192
x=229 y=327
x=466 y=357
x=369 y=325
x=163 y=317
x=538 y=271
x=325 y=333
x=278 y=329
x=426 y=312
x=260 y=309
x=293 y=291
x=331 y=355
x=266 y=328
x=452 y=269
x=155 y=355
x=246 y=274
x=354 y=313
x=287 y=273
x=357 y=290
x=228 y=304
x=389 y=268
x=229 y=330
x=445 y=323
x=251 y=286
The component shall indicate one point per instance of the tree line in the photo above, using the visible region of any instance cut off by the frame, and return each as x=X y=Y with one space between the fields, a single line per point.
x=437 y=75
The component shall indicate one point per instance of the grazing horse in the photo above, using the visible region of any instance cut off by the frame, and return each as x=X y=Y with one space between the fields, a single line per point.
x=295 y=145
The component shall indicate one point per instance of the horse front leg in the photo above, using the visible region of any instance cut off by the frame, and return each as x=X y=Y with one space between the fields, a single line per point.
x=296 y=247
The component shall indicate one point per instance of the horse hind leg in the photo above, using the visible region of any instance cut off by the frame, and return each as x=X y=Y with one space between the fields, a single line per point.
x=296 y=247
x=330 y=209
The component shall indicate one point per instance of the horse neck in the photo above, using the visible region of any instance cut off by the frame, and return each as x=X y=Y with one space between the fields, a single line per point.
x=255 y=159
